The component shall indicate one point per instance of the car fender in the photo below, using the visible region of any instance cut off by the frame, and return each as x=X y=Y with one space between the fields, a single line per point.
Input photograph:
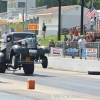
x=19 y=49
x=43 y=50
x=2 y=58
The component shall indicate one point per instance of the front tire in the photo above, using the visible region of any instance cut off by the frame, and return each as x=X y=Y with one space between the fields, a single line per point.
x=15 y=62
x=44 y=62
x=28 y=68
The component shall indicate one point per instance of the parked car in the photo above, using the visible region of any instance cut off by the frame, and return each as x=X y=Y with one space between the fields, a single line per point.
x=64 y=31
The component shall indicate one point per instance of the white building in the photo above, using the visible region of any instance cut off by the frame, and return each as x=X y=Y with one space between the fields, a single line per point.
x=15 y=5
x=70 y=17
x=98 y=12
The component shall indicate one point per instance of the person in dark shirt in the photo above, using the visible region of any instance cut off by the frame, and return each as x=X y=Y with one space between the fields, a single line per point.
x=98 y=38
x=43 y=30
x=94 y=37
x=65 y=38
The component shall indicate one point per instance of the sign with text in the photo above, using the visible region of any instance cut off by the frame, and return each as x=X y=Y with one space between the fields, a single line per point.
x=33 y=26
x=72 y=52
x=56 y=51
x=91 y=52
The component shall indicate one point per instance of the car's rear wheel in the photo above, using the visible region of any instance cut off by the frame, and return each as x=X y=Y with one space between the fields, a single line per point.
x=2 y=63
x=2 y=67
x=28 y=68
x=44 y=62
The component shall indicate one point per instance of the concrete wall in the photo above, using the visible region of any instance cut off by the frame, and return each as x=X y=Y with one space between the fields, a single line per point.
x=68 y=64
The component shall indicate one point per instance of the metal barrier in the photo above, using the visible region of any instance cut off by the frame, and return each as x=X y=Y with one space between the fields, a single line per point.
x=71 y=49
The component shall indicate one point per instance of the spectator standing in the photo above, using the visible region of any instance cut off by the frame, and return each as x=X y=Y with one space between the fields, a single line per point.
x=84 y=29
x=70 y=39
x=4 y=36
x=91 y=24
x=43 y=30
x=99 y=21
x=87 y=38
x=91 y=38
x=95 y=22
x=97 y=38
x=76 y=36
x=71 y=31
x=81 y=45
x=94 y=37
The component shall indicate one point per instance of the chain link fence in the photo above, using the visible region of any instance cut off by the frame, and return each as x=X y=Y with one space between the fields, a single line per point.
x=71 y=50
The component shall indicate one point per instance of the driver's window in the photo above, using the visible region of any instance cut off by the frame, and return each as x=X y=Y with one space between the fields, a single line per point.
x=9 y=38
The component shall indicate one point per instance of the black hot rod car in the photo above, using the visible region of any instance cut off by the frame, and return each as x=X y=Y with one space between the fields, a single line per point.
x=21 y=51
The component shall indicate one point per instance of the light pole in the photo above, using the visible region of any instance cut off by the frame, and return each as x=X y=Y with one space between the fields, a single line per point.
x=25 y=14
x=23 y=20
x=82 y=14
x=59 y=20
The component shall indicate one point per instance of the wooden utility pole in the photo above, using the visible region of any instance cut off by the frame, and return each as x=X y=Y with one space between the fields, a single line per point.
x=82 y=15
x=23 y=21
x=59 y=20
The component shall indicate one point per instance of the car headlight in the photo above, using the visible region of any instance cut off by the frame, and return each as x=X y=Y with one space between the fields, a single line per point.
x=23 y=42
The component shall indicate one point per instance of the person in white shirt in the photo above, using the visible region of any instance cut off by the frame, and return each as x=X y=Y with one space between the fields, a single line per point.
x=81 y=44
x=4 y=36
x=99 y=21
x=91 y=24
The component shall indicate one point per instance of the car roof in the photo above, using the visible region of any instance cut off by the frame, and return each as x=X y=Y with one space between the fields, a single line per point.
x=21 y=33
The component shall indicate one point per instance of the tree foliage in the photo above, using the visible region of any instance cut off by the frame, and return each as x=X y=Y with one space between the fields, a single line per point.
x=51 y=3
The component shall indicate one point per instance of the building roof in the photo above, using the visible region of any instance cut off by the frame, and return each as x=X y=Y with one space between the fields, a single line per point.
x=53 y=9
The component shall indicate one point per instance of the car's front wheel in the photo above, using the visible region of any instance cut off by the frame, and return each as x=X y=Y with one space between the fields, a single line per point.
x=15 y=62
x=28 y=68
x=44 y=62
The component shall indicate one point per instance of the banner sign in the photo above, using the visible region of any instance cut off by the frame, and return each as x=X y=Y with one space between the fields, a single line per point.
x=89 y=52
x=56 y=51
x=72 y=52
x=33 y=26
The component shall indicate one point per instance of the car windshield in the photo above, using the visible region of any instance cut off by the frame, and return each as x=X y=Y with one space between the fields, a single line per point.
x=19 y=36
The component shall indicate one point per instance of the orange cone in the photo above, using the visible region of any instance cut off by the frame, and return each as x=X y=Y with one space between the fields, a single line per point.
x=31 y=84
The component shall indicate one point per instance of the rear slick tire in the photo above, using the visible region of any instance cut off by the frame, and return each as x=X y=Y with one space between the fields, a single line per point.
x=2 y=67
x=28 y=68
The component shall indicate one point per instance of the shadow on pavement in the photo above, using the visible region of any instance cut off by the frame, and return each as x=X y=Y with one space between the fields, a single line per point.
x=34 y=75
x=5 y=82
